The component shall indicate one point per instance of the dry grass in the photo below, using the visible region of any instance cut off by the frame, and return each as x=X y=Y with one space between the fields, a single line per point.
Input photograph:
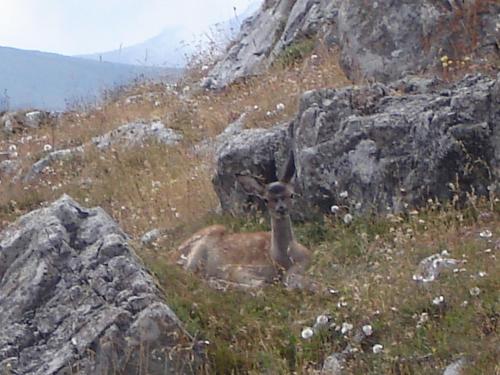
x=369 y=263
x=157 y=186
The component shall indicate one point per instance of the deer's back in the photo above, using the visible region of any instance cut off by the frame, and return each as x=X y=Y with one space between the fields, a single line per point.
x=238 y=257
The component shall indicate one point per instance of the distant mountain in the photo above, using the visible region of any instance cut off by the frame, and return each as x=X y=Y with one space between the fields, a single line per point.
x=165 y=49
x=32 y=79
x=172 y=46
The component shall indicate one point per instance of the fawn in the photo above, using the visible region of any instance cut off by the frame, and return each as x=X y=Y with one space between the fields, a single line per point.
x=253 y=259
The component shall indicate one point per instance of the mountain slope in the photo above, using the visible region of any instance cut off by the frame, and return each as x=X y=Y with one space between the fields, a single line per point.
x=51 y=81
x=172 y=45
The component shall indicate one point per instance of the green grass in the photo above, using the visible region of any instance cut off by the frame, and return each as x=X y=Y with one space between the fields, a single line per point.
x=370 y=263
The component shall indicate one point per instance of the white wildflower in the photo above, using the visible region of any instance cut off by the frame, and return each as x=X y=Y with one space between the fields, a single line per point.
x=307 y=333
x=377 y=348
x=12 y=148
x=367 y=330
x=486 y=234
x=321 y=323
x=334 y=209
x=445 y=253
x=47 y=148
x=424 y=317
x=280 y=107
x=346 y=327
x=438 y=300
x=344 y=194
x=322 y=319
x=348 y=219
x=474 y=292
x=482 y=274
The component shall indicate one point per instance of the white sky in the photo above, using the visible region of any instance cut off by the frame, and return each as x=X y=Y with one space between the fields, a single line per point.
x=85 y=26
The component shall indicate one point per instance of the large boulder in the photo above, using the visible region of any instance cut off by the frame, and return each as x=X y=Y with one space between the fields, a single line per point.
x=74 y=298
x=387 y=39
x=382 y=40
x=256 y=152
x=380 y=148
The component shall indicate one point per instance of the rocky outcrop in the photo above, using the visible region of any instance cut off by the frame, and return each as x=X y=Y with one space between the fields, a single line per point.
x=379 y=148
x=385 y=39
x=253 y=151
x=52 y=157
x=136 y=134
x=381 y=40
x=74 y=298
x=133 y=134
x=262 y=38
x=12 y=121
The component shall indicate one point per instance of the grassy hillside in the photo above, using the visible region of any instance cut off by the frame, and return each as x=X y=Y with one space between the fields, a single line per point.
x=368 y=265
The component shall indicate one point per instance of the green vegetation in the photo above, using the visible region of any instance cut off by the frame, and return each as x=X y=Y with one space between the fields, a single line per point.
x=369 y=264
x=296 y=52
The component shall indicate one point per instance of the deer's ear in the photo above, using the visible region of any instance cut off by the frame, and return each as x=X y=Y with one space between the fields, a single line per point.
x=289 y=170
x=252 y=185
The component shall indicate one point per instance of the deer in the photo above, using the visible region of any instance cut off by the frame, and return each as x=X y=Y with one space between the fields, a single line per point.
x=252 y=260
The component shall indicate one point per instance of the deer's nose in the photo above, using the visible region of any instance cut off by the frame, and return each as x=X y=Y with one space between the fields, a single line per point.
x=281 y=209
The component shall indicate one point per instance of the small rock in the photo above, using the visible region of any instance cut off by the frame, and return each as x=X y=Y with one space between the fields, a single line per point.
x=34 y=119
x=456 y=368
x=334 y=364
x=150 y=236
x=52 y=157
x=431 y=267
x=136 y=134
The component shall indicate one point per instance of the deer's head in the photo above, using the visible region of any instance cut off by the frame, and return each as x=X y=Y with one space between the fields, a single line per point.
x=277 y=195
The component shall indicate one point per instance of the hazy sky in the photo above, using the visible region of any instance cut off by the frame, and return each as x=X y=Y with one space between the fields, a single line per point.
x=84 y=26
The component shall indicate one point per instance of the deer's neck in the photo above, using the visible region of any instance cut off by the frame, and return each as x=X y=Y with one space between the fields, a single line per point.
x=282 y=237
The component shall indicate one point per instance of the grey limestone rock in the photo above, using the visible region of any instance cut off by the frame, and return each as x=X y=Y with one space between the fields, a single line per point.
x=254 y=151
x=385 y=39
x=432 y=266
x=378 y=149
x=74 y=298
x=12 y=121
x=379 y=40
x=49 y=159
x=136 y=134
x=277 y=25
x=456 y=368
